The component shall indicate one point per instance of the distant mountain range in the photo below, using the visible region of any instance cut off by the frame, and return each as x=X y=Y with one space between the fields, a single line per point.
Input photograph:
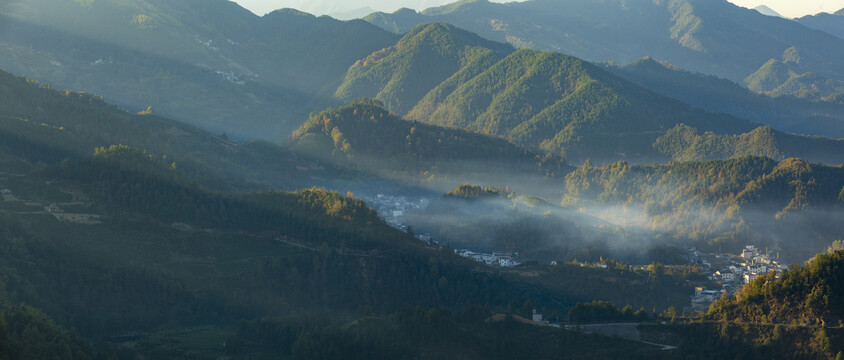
x=830 y=23
x=229 y=71
x=210 y=63
x=765 y=10
x=801 y=116
x=698 y=35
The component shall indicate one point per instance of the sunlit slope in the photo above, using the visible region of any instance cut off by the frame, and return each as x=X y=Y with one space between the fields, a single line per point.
x=684 y=143
x=400 y=75
x=547 y=102
x=365 y=135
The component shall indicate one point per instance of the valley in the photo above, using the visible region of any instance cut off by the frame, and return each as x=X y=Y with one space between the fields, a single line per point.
x=185 y=179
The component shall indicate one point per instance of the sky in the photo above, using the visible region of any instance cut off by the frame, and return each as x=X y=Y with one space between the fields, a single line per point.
x=788 y=8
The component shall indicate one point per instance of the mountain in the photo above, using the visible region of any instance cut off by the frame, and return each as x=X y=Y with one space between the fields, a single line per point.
x=544 y=101
x=684 y=143
x=722 y=202
x=698 y=35
x=830 y=23
x=718 y=95
x=137 y=231
x=366 y=136
x=221 y=68
x=42 y=125
x=402 y=74
x=788 y=76
x=765 y=10
x=352 y=14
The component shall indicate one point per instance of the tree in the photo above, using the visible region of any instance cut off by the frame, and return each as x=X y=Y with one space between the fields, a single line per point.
x=527 y=309
x=837 y=245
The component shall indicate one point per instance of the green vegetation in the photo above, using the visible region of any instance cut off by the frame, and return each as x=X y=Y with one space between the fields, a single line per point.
x=26 y=333
x=367 y=136
x=684 y=143
x=723 y=339
x=696 y=35
x=791 y=316
x=474 y=192
x=42 y=125
x=402 y=74
x=807 y=295
x=727 y=202
x=787 y=77
x=429 y=334
x=544 y=101
x=724 y=96
x=604 y=311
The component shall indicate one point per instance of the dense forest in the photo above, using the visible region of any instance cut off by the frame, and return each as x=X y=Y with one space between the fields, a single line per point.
x=543 y=101
x=721 y=202
x=43 y=125
x=127 y=235
x=684 y=143
x=366 y=136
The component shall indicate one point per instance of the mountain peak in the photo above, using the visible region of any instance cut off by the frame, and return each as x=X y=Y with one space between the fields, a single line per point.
x=451 y=35
x=765 y=10
x=839 y=12
x=454 y=7
x=291 y=11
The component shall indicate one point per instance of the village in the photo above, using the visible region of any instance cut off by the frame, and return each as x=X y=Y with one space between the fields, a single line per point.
x=393 y=210
x=731 y=273
x=500 y=259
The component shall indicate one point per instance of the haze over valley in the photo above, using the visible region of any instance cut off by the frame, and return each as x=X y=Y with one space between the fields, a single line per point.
x=473 y=180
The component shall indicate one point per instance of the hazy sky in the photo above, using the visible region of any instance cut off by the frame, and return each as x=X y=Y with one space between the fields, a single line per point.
x=789 y=8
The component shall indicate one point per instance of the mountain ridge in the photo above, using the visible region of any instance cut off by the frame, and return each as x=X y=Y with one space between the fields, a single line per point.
x=674 y=31
x=545 y=101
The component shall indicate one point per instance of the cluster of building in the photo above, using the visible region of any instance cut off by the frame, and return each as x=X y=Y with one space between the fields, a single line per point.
x=748 y=266
x=733 y=273
x=703 y=298
x=393 y=209
x=501 y=259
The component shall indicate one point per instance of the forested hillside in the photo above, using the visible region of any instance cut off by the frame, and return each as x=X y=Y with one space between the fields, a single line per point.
x=123 y=245
x=713 y=94
x=684 y=143
x=804 y=295
x=425 y=57
x=43 y=125
x=789 y=76
x=426 y=208
x=369 y=137
x=773 y=313
x=544 y=101
x=791 y=204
